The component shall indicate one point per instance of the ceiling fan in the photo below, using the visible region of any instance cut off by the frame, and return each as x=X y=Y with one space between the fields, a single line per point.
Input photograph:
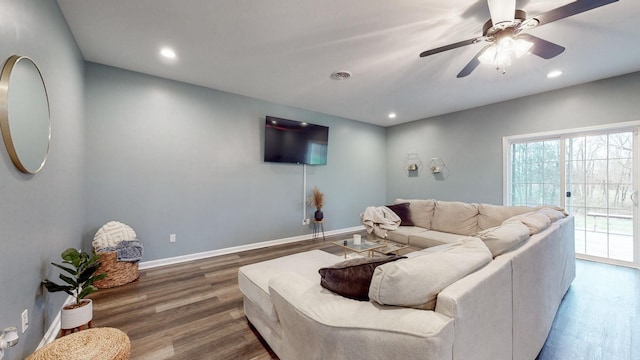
x=505 y=34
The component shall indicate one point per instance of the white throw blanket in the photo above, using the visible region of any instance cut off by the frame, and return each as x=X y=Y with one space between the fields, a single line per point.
x=379 y=219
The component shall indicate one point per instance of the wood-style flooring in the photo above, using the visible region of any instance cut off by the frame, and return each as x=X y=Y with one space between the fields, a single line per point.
x=194 y=310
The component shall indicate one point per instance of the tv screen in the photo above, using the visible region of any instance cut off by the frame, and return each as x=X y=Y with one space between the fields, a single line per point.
x=289 y=141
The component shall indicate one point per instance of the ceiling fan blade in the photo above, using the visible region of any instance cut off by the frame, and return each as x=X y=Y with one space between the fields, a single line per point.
x=502 y=11
x=451 y=46
x=577 y=7
x=472 y=65
x=543 y=48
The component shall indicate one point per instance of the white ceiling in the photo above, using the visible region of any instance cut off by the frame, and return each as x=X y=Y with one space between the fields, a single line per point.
x=285 y=50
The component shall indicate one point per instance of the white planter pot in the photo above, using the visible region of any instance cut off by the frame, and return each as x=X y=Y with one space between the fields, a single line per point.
x=73 y=318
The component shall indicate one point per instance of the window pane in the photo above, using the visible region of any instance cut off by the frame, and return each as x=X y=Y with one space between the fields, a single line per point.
x=535 y=173
x=575 y=149
x=620 y=145
x=596 y=147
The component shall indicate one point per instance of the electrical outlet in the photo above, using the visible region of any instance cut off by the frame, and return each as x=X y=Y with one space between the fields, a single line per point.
x=25 y=320
x=306 y=222
x=172 y=238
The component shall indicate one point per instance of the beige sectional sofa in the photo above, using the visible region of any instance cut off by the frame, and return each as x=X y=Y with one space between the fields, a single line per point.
x=496 y=290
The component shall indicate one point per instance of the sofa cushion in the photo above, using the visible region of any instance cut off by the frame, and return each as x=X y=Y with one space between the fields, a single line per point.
x=421 y=211
x=535 y=221
x=416 y=282
x=253 y=279
x=403 y=212
x=402 y=233
x=553 y=214
x=493 y=215
x=351 y=278
x=430 y=238
x=455 y=217
x=503 y=238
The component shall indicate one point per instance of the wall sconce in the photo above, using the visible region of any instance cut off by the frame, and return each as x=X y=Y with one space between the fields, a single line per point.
x=436 y=165
x=412 y=167
x=9 y=338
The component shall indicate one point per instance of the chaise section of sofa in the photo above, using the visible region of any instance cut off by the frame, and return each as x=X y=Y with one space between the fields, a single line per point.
x=318 y=324
x=253 y=281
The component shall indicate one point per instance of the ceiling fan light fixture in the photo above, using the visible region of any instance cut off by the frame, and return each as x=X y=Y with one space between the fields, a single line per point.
x=521 y=47
x=488 y=55
x=501 y=52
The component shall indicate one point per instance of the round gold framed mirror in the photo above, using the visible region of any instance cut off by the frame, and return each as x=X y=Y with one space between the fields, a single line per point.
x=24 y=114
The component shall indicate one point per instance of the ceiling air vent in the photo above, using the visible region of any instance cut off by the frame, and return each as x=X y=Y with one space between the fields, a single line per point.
x=341 y=75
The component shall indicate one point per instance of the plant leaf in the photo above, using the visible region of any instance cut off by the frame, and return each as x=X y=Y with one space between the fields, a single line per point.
x=67 y=269
x=86 y=291
x=53 y=287
x=70 y=255
x=71 y=281
x=86 y=273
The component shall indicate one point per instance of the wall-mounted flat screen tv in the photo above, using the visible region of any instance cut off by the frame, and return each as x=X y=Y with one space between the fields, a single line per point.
x=296 y=142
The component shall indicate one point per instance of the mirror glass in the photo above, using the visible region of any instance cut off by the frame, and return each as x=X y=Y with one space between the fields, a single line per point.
x=24 y=114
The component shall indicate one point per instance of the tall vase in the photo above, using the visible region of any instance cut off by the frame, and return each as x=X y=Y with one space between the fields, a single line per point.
x=318 y=215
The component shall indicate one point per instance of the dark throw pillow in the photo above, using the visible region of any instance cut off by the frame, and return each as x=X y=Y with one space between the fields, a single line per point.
x=351 y=278
x=402 y=210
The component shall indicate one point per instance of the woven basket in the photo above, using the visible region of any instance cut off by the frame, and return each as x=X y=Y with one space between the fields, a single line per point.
x=118 y=272
x=94 y=344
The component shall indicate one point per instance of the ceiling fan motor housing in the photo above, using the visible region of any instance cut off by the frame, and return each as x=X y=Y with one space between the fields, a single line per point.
x=490 y=30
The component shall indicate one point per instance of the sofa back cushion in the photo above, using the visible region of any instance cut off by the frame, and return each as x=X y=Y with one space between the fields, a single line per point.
x=554 y=214
x=503 y=238
x=421 y=211
x=417 y=281
x=455 y=217
x=535 y=221
x=493 y=215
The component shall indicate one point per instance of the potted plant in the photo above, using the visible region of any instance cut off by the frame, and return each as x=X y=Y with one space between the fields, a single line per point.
x=81 y=268
x=317 y=201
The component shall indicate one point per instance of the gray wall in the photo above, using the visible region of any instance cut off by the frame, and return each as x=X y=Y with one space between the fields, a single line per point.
x=41 y=215
x=167 y=157
x=470 y=142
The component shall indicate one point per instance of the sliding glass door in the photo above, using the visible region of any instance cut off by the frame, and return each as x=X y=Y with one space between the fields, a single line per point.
x=590 y=174
x=600 y=193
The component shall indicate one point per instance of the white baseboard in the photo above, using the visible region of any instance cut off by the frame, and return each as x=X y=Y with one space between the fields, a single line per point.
x=54 y=328
x=207 y=254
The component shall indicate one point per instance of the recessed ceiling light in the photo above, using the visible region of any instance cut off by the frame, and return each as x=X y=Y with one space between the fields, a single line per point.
x=392 y=115
x=168 y=53
x=340 y=75
x=554 y=73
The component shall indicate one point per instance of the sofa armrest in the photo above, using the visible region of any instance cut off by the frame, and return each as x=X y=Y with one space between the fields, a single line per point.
x=317 y=323
x=481 y=306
